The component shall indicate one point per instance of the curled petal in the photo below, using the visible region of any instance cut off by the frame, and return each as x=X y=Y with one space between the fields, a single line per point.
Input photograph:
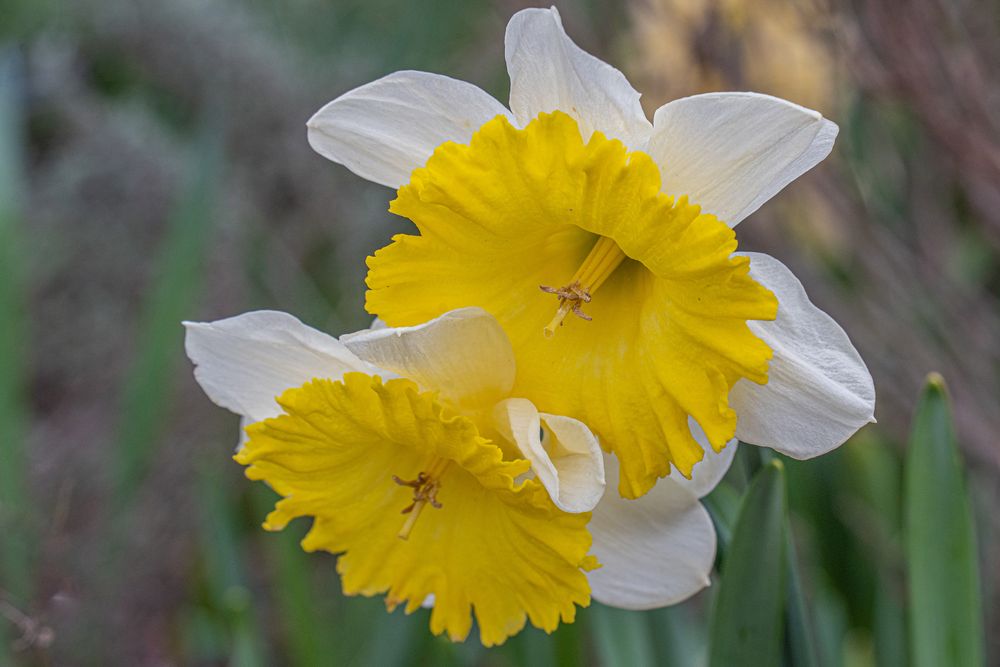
x=565 y=456
x=819 y=391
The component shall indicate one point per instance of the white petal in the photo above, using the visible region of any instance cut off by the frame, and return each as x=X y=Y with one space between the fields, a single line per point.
x=731 y=152
x=655 y=551
x=567 y=460
x=385 y=129
x=548 y=72
x=708 y=472
x=464 y=354
x=243 y=363
x=819 y=391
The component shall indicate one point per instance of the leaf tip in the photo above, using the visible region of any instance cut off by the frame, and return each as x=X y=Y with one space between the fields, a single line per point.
x=936 y=382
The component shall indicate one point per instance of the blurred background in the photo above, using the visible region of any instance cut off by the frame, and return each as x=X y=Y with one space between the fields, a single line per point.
x=154 y=168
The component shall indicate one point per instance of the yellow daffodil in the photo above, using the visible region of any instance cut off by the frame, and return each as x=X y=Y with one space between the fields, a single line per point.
x=603 y=245
x=436 y=484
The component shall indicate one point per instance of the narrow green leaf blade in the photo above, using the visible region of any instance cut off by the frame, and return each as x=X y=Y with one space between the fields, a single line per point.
x=746 y=624
x=172 y=297
x=800 y=640
x=945 y=610
x=227 y=573
x=622 y=637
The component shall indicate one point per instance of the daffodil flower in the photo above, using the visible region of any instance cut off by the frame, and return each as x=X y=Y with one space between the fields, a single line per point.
x=418 y=466
x=603 y=245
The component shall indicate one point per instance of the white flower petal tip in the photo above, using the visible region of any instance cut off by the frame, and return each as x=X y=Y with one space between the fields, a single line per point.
x=464 y=354
x=819 y=391
x=549 y=72
x=565 y=456
x=731 y=152
x=655 y=551
x=243 y=363
x=385 y=129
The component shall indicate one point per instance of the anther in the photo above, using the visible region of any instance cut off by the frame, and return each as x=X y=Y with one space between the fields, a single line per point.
x=598 y=266
x=425 y=488
x=571 y=298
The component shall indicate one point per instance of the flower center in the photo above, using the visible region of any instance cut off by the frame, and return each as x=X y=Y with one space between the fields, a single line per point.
x=600 y=263
x=516 y=209
x=425 y=489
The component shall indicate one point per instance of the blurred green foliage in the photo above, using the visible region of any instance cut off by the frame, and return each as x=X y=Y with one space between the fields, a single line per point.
x=15 y=517
x=829 y=577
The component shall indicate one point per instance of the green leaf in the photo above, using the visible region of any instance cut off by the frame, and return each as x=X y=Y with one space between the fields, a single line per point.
x=226 y=572
x=308 y=645
x=622 y=637
x=533 y=648
x=800 y=640
x=945 y=611
x=569 y=641
x=723 y=504
x=679 y=636
x=746 y=624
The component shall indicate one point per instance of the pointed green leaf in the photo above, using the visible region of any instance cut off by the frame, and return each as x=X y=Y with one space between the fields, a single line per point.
x=945 y=609
x=746 y=626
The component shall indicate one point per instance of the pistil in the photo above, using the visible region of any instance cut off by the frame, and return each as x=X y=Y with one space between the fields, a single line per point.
x=600 y=263
x=425 y=489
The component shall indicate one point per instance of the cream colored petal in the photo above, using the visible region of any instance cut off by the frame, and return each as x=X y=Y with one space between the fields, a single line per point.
x=731 y=152
x=655 y=551
x=385 y=129
x=819 y=391
x=548 y=72
x=244 y=362
x=565 y=456
x=464 y=355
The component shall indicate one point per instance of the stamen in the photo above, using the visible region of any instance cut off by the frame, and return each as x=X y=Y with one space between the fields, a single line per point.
x=425 y=488
x=600 y=263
